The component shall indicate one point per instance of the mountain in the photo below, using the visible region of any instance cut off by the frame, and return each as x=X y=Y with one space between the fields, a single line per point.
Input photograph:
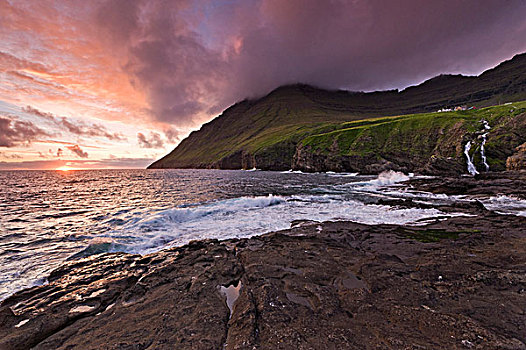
x=312 y=129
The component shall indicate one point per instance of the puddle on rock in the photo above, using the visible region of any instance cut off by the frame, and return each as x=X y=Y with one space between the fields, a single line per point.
x=231 y=293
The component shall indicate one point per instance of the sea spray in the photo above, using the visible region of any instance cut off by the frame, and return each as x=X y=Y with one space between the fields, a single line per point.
x=249 y=216
x=389 y=177
x=471 y=167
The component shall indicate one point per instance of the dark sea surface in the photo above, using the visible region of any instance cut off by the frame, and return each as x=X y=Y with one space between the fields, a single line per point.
x=50 y=216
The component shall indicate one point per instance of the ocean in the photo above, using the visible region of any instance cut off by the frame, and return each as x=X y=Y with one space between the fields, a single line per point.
x=48 y=217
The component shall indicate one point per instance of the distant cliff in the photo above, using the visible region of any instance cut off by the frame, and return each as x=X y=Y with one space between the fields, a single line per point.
x=311 y=129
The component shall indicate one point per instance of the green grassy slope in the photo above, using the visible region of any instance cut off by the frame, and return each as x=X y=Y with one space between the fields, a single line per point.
x=266 y=133
x=428 y=142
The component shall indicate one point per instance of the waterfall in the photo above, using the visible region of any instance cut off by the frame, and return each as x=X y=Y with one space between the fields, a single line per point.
x=471 y=168
x=482 y=154
x=482 y=151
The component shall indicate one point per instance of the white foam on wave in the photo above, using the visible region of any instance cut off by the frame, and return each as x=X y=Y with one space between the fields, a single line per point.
x=290 y=171
x=390 y=177
x=501 y=204
x=385 y=178
x=342 y=174
x=506 y=205
x=185 y=214
x=249 y=216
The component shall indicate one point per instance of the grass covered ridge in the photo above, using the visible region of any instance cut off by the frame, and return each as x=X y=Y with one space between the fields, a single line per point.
x=268 y=132
x=417 y=137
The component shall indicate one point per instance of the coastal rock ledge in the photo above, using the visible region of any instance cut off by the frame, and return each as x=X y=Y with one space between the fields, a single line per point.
x=453 y=284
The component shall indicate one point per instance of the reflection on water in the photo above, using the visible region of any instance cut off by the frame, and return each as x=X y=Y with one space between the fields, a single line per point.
x=50 y=216
x=231 y=294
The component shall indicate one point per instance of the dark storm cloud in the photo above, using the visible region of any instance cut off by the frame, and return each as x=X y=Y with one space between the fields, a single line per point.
x=166 y=58
x=78 y=151
x=197 y=57
x=15 y=132
x=78 y=127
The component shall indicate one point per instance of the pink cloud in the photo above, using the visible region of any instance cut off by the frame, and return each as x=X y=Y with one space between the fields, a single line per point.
x=116 y=162
x=79 y=128
x=15 y=132
x=78 y=151
x=153 y=141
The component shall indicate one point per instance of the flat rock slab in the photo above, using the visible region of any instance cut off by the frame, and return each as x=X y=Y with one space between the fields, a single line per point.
x=512 y=183
x=454 y=284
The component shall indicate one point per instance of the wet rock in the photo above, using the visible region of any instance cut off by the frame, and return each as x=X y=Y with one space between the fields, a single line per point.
x=336 y=285
x=485 y=184
x=517 y=161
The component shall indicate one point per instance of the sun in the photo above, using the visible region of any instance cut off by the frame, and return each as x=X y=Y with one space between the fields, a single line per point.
x=65 y=168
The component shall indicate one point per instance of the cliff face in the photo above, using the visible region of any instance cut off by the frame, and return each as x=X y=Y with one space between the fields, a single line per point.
x=306 y=128
x=432 y=143
x=517 y=161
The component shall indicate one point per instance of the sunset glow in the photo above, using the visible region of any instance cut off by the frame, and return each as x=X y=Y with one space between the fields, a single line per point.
x=246 y=174
x=118 y=84
x=65 y=168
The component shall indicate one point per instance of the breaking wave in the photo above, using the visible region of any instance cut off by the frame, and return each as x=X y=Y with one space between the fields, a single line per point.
x=248 y=216
x=389 y=177
x=506 y=205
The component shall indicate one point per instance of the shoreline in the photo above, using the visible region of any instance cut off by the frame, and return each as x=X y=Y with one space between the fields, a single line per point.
x=335 y=284
x=453 y=283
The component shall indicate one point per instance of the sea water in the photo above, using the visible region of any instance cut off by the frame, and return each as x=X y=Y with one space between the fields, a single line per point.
x=48 y=217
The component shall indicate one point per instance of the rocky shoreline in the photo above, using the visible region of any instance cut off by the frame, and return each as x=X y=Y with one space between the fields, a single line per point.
x=458 y=283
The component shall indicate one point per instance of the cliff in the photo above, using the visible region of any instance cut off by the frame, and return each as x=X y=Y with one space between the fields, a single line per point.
x=429 y=143
x=304 y=127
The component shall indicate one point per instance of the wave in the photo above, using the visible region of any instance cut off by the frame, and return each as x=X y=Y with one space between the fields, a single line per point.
x=389 y=178
x=290 y=171
x=342 y=174
x=501 y=204
x=505 y=205
x=244 y=217
x=184 y=214
x=383 y=179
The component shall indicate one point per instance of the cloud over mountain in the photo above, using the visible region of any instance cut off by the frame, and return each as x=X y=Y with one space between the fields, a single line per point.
x=182 y=62
x=194 y=58
x=153 y=141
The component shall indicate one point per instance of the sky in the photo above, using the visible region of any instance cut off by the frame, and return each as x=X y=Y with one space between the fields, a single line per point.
x=119 y=83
